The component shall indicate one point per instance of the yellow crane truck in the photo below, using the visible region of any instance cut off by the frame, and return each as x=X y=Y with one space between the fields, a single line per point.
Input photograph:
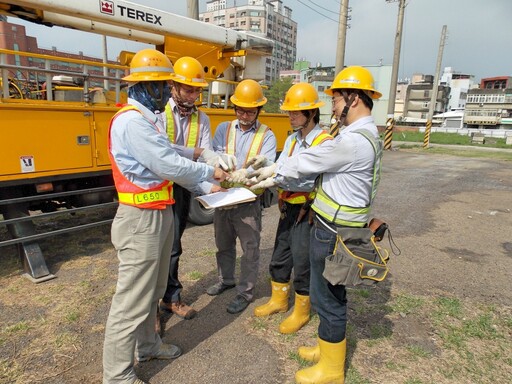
x=55 y=111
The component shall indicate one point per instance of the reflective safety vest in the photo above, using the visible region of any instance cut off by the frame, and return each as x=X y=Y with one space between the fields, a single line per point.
x=255 y=149
x=192 y=138
x=158 y=197
x=301 y=197
x=344 y=215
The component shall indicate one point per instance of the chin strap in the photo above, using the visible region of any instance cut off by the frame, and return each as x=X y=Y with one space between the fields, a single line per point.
x=335 y=128
x=305 y=125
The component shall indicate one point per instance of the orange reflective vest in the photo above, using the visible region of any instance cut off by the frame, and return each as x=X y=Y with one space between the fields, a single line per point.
x=301 y=197
x=158 y=197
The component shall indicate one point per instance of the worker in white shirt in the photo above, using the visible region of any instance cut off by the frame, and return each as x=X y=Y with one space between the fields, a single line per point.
x=349 y=170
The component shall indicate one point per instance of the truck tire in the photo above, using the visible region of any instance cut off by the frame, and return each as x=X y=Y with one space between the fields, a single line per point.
x=198 y=214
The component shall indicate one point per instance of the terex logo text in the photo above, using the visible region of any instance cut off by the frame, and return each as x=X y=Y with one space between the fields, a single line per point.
x=107 y=7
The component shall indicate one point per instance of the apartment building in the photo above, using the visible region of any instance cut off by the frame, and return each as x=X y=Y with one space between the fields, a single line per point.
x=490 y=105
x=459 y=84
x=270 y=19
x=418 y=96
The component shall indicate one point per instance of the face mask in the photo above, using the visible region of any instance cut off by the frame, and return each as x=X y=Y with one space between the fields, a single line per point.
x=154 y=95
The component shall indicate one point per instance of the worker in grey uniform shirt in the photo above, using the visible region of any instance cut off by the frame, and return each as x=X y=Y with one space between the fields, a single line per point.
x=349 y=169
x=144 y=166
x=245 y=138
x=188 y=129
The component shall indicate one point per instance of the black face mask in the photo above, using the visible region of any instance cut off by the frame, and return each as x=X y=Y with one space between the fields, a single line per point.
x=154 y=95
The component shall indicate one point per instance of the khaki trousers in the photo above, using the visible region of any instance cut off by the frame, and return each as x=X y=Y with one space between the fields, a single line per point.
x=143 y=240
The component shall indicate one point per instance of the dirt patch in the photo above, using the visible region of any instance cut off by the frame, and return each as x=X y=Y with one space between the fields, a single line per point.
x=444 y=315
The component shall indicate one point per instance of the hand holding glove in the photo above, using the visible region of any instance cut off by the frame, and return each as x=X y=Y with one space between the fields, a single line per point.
x=263 y=173
x=229 y=161
x=258 y=162
x=225 y=161
x=266 y=183
x=239 y=176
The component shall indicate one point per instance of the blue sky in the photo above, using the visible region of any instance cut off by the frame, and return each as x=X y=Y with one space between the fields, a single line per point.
x=479 y=34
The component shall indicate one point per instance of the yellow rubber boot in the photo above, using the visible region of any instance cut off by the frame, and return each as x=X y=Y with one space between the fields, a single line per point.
x=299 y=316
x=310 y=353
x=278 y=301
x=330 y=369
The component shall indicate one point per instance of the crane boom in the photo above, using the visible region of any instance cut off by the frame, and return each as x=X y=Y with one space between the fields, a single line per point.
x=140 y=23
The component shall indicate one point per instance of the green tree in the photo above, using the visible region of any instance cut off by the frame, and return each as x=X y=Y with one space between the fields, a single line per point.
x=275 y=94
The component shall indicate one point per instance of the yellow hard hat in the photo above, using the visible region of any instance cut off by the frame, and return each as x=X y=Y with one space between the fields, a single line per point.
x=189 y=71
x=300 y=97
x=354 y=77
x=248 y=94
x=150 y=65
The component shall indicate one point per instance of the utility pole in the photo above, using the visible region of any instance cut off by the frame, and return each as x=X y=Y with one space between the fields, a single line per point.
x=193 y=9
x=342 y=37
x=390 y=124
x=435 y=86
x=340 y=55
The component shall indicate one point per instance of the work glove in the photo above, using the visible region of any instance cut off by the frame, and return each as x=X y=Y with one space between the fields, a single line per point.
x=257 y=162
x=238 y=177
x=222 y=160
x=266 y=183
x=263 y=173
x=229 y=160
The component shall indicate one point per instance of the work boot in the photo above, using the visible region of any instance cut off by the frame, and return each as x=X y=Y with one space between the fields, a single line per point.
x=166 y=352
x=310 y=353
x=330 y=369
x=238 y=304
x=180 y=309
x=218 y=288
x=278 y=300
x=299 y=316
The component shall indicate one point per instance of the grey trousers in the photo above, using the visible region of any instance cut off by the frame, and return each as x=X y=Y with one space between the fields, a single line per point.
x=243 y=222
x=143 y=241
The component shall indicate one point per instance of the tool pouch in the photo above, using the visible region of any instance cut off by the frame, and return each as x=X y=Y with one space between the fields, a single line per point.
x=356 y=260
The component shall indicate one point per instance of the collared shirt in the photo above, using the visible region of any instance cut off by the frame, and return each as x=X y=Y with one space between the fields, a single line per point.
x=181 y=129
x=243 y=142
x=345 y=162
x=145 y=156
x=304 y=184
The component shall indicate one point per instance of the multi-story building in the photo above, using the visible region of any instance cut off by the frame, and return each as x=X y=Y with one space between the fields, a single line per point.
x=418 y=96
x=459 y=84
x=490 y=105
x=321 y=78
x=270 y=19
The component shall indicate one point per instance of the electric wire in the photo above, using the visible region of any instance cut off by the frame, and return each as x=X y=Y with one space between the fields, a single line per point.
x=314 y=10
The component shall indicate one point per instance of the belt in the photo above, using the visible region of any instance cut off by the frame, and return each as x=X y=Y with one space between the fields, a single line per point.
x=320 y=221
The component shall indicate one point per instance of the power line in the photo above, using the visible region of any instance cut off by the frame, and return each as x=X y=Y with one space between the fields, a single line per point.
x=314 y=10
x=326 y=9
